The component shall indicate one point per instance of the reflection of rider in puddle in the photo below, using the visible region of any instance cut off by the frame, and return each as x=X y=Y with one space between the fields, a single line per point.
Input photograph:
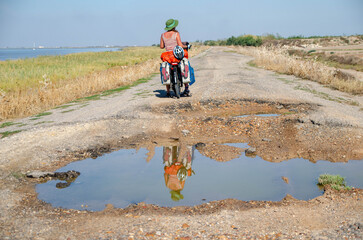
x=177 y=169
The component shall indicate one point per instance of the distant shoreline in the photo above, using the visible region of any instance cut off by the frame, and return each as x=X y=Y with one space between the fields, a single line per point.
x=2 y=48
x=23 y=53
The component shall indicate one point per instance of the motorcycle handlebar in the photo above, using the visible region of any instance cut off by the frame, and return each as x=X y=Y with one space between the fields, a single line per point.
x=189 y=46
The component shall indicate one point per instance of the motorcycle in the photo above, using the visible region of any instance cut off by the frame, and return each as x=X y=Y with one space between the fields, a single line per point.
x=176 y=74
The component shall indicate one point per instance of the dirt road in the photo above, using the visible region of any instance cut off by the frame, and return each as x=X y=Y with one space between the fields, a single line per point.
x=316 y=123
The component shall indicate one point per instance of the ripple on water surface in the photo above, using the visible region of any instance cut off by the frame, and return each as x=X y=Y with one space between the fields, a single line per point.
x=125 y=177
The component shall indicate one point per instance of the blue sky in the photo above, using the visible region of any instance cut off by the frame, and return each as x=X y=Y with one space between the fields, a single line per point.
x=140 y=22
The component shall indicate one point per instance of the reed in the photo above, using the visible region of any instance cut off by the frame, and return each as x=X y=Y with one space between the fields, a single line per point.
x=32 y=86
x=278 y=60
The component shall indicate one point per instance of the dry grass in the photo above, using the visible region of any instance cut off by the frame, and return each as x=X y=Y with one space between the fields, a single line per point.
x=279 y=60
x=28 y=101
x=31 y=72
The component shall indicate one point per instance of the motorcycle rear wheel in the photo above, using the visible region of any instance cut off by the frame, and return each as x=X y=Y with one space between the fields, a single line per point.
x=176 y=87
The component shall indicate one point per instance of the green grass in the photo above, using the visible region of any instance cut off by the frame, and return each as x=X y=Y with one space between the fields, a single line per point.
x=69 y=110
x=8 y=133
x=115 y=90
x=30 y=73
x=7 y=124
x=252 y=64
x=43 y=122
x=93 y=97
x=230 y=51
x=336 y=182
x=34 y=118
x=18 y=175
x=42 y=114
x=285 y=80
x=64 y=106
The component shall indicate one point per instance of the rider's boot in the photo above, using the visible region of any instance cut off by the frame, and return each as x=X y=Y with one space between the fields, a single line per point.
x=186 y=92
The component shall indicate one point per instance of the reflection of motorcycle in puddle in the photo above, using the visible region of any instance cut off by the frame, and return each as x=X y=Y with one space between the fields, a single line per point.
x=177 y=169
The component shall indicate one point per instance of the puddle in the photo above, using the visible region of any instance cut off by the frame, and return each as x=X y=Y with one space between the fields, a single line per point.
x=261 y=115
x=125 y=177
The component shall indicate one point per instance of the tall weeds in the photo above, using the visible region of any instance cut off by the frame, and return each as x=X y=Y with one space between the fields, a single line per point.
x=279 y=60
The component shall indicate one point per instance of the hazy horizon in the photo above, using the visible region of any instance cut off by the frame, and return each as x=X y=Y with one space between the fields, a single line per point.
x=80 y=23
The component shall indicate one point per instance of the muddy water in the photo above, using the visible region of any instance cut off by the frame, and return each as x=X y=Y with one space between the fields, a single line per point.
x=125 y=177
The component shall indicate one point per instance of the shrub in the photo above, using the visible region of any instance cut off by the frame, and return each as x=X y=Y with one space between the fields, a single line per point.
x=215 y=43
x=210 y=43
x=327 y=179
x=270 y=36
x=336 y=182
x=247 y=40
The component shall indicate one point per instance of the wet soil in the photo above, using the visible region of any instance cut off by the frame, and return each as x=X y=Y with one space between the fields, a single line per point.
x=308 y=127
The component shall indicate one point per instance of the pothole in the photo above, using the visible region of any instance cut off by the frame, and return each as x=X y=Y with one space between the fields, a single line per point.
x=177 y=176
x=214 y=154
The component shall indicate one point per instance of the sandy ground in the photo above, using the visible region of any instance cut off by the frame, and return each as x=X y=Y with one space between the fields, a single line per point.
x=325 y=124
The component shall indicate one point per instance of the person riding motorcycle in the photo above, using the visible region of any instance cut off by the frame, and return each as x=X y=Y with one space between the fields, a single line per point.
x=169 y=40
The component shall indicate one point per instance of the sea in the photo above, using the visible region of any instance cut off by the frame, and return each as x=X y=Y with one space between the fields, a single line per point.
x=21 y=53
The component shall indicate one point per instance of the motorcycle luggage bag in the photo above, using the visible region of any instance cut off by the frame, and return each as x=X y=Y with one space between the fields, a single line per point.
x=192 y=76
x=185 y=70
x=165 y=73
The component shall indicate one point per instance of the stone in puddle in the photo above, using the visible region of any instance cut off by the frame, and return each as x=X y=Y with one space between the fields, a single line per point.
x=62 y=184
x=67 y=175
x=286 y=180
x=200 y=145
x=250 y=151
x=60 y=175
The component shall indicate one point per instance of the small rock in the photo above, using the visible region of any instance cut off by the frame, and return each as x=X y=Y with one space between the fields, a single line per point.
x=288 y=198
x=185 y=132
x=38 y=174
x=67 y=175
x=185 y=225
x=250 y=151
x=286 y=180
x=266 y=140
x=200 y=145
x=62 y=184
